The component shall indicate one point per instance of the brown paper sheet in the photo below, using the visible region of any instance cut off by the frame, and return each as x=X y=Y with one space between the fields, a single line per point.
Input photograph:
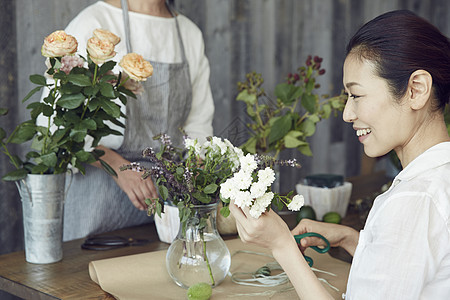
x=144 y=276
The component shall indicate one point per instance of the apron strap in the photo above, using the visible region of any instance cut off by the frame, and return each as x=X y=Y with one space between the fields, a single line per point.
x=126 y=22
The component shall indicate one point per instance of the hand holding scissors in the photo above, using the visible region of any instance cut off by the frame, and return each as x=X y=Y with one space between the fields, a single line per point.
x=308 y=259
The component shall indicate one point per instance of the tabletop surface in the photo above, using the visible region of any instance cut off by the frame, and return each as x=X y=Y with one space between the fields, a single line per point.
x=69 y=278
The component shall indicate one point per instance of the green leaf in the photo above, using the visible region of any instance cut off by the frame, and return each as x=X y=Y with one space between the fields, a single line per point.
x=15 y=175
x=201 y=197
x=110 y=108
x=31 y=93
x=287 y=93
x=3 y=111
x=39 y=169
x=309 y=102
x=107 y=168
x=78 y=135
x=107 y=66
x=91 y=91
x=291 y=139
x=305 y=150
x=307 y=127
x=280 y=128
x=246 y=97
x=250 y=145
x=164 y=192
x=314 y=118
x=107 y=90
x=70 y=101
x=38 y=79
x=89 y=124
x=225 y=211
x=49 y=159
x=210 y=188
x=24 y=132
x=83 y=155
x=79 y=79
x=326 y=111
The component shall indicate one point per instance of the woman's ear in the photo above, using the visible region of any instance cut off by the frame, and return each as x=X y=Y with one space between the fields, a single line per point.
x=419 y=89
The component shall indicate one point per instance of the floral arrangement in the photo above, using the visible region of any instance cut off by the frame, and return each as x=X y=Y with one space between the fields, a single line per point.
x=209 y=172
x=288 y=121
x=83 y=95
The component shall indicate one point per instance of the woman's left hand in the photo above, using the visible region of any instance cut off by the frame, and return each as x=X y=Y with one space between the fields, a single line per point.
x=268 y=231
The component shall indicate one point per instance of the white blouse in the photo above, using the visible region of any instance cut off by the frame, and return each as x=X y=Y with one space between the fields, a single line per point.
x=156 y=39
x=404 y=249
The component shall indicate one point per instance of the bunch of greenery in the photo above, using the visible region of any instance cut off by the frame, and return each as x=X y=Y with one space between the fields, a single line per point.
x=288 y=121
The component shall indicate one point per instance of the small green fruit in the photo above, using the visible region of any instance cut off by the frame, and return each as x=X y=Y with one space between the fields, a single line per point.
x=306 y=212
x=199 y=291
x=332 y=217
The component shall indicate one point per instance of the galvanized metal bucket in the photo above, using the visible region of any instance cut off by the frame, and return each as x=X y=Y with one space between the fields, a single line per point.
x=43 y=210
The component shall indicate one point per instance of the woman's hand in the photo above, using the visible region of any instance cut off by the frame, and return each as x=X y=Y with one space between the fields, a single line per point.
x=131 y=182
x=337 y=235
x=268 y=231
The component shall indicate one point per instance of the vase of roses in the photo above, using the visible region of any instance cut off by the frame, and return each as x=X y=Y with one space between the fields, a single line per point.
x=64 y=129
x=196 y=179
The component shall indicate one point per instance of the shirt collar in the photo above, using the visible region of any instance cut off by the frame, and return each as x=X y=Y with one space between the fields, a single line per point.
x=434 y=157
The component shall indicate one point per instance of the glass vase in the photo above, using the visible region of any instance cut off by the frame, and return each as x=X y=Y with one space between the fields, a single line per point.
x=198 y=254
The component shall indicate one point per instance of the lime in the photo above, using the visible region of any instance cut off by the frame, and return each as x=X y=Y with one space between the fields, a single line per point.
x=332 y=217
x=199 y=291
x=306 y=212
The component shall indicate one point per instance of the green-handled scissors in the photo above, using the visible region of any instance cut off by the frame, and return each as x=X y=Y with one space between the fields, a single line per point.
x=317 y=249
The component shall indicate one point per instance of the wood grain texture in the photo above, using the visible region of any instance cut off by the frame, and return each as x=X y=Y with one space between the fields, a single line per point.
x=272 y=37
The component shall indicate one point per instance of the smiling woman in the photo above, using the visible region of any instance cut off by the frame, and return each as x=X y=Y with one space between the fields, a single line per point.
x=398 y=82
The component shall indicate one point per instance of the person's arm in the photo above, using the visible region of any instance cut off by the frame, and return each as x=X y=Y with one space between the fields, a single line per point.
x=131 y=182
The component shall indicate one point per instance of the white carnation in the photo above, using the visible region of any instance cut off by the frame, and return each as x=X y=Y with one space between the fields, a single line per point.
x=242 y=179
x=258 y=189
x=296 y=203
x=248 y=163
x=228 y=189
x=243 y=198
x=266 y=176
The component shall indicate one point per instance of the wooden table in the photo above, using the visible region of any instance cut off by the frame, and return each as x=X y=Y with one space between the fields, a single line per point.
x=69 y=278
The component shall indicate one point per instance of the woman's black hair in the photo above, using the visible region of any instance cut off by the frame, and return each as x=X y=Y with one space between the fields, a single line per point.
x=399 y=43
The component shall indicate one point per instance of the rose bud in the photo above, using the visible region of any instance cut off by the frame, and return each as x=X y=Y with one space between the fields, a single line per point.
x=136 y=67
x=321 y=71
x=103 y=34
x=59 y=44
x=100 y=50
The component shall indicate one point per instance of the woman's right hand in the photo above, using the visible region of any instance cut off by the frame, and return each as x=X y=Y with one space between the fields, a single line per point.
x=337 y=235
x=131 y=182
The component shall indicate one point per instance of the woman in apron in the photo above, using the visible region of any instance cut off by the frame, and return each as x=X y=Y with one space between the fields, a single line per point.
x=177 y=95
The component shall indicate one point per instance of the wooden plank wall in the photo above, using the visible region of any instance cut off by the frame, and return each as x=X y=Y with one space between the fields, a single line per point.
x=272 y=37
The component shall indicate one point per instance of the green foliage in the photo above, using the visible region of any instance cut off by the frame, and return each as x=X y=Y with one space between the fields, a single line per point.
x=77 y=105
x=292 y=118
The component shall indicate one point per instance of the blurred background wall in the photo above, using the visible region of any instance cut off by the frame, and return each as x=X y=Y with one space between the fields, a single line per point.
x=271 y=37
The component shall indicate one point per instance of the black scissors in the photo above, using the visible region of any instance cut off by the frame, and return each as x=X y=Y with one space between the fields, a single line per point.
x=308 y=259
x=106 y=242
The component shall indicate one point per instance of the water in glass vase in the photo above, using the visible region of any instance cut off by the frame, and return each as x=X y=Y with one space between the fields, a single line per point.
x=199 y=254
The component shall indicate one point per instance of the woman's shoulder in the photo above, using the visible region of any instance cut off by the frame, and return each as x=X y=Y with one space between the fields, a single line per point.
x=189 y=28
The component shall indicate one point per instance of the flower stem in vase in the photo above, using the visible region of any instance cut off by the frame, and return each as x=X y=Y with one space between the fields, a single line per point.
x=207 y=261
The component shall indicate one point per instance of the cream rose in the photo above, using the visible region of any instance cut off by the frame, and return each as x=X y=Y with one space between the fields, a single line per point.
x=100 y=50
x=136 y=67
x=59 y=44
x=103 y=34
